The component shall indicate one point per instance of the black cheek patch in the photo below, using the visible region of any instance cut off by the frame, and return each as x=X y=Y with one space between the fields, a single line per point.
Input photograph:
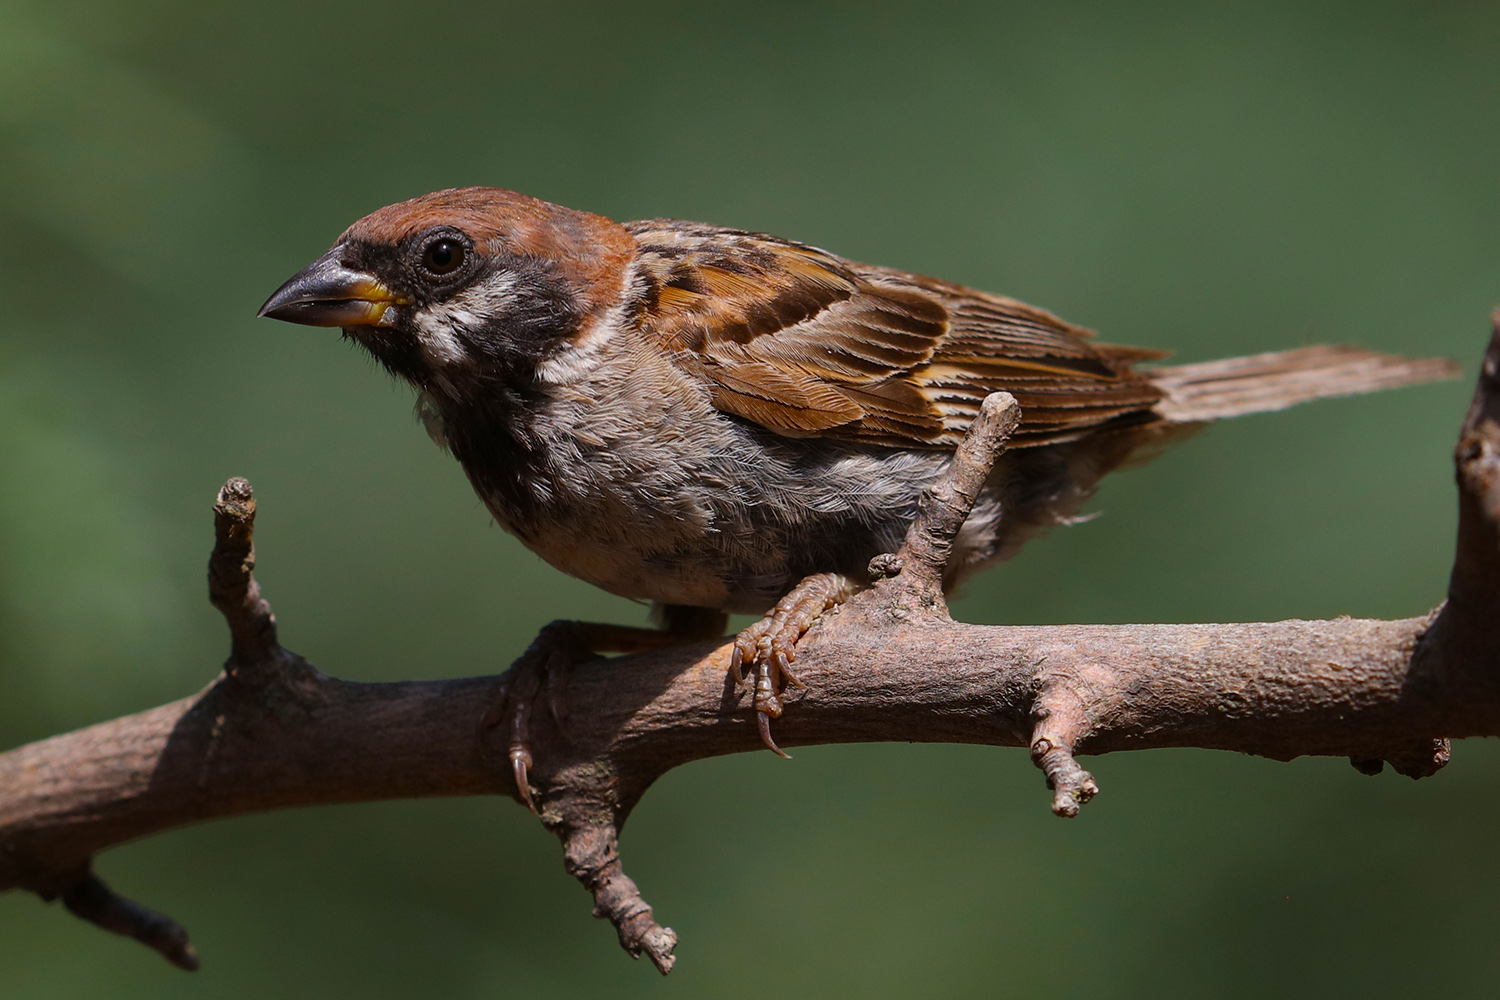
x=537 y=316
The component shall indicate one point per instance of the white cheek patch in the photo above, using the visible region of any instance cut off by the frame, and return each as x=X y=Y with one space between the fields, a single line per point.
x=587 y=352
x=438 y=326
x=590 y=344
x=436 y=336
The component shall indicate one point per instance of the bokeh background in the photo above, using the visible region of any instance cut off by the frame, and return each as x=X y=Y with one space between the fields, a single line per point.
x=1212 y=178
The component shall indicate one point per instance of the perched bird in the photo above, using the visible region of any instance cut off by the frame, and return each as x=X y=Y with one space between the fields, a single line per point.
x=713 y=420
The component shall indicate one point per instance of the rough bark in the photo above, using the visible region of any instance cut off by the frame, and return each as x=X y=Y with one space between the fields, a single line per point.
x=891 y=665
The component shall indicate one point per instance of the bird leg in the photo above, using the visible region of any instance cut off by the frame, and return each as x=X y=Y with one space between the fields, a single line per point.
x=549 y=661
x=769 y=647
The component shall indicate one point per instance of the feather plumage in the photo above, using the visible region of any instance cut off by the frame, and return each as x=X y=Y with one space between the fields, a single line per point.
x=804 y=342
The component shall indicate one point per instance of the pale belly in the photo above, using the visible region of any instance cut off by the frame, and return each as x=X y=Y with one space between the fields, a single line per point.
x=735 y=523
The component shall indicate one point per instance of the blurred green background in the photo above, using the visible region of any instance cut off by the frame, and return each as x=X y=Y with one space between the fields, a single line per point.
x=1213 y=178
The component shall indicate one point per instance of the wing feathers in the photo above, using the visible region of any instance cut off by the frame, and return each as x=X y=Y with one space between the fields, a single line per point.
x=805 y=343
x=779 y=400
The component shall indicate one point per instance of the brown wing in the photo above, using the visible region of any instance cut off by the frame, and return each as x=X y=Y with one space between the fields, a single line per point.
x=808 y=344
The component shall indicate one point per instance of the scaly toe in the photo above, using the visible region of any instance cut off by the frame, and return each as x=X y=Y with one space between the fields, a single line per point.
x=766 y=649
x=781 y=664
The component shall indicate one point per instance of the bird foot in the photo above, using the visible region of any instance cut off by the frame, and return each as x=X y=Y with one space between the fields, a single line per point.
x=766 y=650
x=541 y=671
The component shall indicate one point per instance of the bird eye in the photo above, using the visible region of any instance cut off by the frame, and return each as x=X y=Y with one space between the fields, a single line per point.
x=443 y=256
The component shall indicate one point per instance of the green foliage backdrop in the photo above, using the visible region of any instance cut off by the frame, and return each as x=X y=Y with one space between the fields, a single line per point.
x=1212 y=178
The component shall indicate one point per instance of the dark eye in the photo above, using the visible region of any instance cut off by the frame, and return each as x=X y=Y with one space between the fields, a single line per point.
x=443 y=256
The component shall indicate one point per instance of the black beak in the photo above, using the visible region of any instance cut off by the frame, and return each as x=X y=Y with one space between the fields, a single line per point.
x=327 y=293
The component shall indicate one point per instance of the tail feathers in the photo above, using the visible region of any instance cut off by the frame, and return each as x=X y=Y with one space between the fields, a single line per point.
x=1256 y=383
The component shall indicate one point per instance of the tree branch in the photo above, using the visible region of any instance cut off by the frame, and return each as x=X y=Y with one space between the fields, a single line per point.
x=271 y=732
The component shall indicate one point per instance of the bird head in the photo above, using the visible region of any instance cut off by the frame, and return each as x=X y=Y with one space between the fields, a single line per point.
x=477 y=282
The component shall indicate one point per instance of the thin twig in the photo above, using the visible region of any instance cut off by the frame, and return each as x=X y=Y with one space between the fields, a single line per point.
x=232 y=587
x=942 y=510
x=88 y=898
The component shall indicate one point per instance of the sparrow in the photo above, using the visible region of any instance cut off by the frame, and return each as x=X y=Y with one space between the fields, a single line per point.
x=722 y=421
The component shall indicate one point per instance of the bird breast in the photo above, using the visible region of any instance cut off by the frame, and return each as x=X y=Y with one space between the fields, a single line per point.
x=623 y=474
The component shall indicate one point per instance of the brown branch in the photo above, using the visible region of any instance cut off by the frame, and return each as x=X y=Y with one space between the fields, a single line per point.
x=271 y=732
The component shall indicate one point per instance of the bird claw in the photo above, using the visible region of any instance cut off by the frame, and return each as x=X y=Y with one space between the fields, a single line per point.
x=763 y=653
x=542 y=671
x=520 y=765
x=763 y=723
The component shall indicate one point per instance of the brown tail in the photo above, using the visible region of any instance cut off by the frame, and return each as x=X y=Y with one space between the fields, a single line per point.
x=1260 y=382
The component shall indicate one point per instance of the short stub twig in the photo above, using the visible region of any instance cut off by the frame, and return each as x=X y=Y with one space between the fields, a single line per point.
x=232 y=587
x=1071 y=785
x=88 y=898
x=923 y=557
x=591 y=854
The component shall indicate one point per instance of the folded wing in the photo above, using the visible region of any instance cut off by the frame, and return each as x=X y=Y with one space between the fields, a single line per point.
x=805 y=343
